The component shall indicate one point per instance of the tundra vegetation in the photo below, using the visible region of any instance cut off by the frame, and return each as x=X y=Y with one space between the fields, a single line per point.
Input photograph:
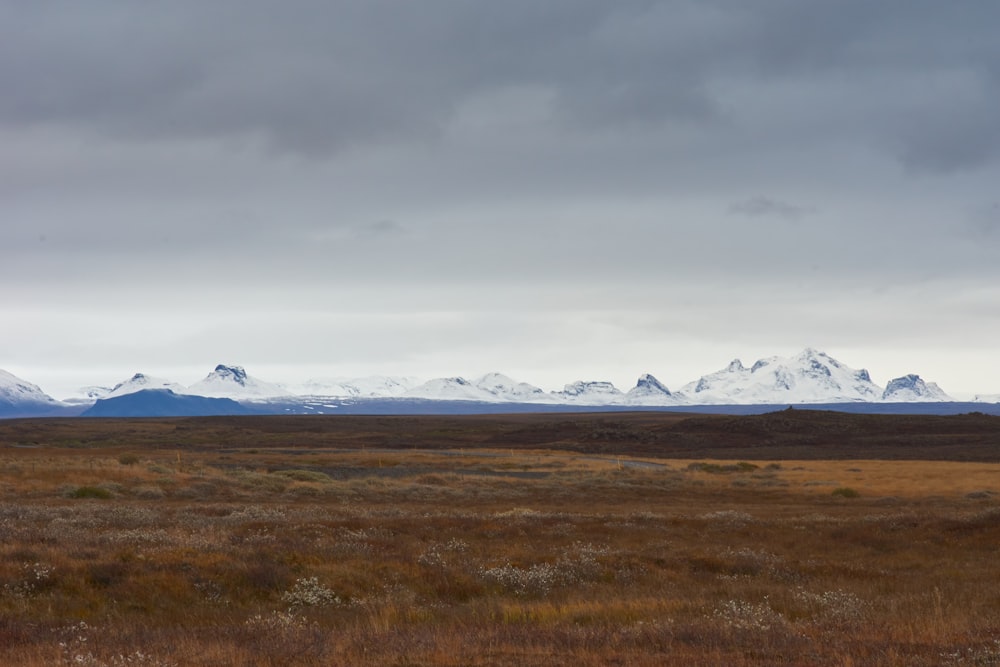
x=463 y=541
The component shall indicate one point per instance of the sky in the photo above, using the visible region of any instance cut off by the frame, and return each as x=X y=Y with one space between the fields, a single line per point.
x=559 y=191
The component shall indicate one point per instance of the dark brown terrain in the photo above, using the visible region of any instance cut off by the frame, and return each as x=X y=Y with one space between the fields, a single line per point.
x=785 y=434
x=798 y=537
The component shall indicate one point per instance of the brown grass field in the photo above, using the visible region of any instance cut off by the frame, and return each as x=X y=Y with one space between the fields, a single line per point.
x=795 y=538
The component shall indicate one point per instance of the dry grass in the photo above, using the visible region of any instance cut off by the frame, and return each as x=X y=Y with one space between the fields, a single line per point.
x=282 y=555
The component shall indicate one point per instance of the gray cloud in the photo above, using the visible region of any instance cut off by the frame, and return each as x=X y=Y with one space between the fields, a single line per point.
x=519 y=157
x=313 y=77
x=765 y=206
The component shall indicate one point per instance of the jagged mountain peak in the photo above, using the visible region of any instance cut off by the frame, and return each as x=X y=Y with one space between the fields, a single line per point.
x=648 y=383
x=810 y=376
x=228 y=381
x=908 y=381
x=138 y=378
x=735 y=366
x=649 y=391
x=236 y=373
x=911 y=387
x=589 y=390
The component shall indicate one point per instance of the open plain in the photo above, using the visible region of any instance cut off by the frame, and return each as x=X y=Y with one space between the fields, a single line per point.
x=793 y=538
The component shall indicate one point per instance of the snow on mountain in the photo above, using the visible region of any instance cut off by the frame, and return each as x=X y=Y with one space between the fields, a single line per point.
x=17 y=394
x=94 y=392
x=809 y=377
x=233 y=382
x=139 y=382
x=912 y=389
x=86 y=395
x=649 y=391
x=507 y=390
x=589 y=393
x=376 y=386
x=450 y=389
x=492 y=388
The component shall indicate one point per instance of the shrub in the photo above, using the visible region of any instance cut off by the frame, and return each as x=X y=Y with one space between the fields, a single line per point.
x=128 y=459
x=845 y=492
x=304 y=475
x=91 y=492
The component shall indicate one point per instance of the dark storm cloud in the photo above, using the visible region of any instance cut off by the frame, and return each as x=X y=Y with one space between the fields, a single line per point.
x=311 y=77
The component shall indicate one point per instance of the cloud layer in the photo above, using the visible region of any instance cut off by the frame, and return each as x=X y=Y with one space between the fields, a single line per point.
x=443 y=182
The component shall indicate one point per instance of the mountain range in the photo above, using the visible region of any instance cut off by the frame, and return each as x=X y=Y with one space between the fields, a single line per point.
x=810 y=377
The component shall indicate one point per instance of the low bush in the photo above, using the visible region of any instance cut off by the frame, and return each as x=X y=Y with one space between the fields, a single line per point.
x=304 y=475
x=91 y=492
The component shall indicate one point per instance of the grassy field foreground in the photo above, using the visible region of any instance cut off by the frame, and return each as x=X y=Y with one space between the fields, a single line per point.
x=275 y=553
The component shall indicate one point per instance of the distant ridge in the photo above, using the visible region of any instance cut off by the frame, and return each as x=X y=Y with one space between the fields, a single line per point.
x=20 y=398
x=233 y=382
x=811 y=377
x=911 y=388
x=141 y=381
x=164 y=403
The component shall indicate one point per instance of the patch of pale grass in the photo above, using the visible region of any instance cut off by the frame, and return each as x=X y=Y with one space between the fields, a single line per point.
x=905 y=479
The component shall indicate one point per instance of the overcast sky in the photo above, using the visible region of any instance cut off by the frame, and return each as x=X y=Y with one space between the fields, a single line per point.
x=562 y=190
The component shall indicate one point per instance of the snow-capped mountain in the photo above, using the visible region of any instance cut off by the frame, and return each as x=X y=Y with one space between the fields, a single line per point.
x=809 y=377
x=649 y=391
x=19 y=396
x=233 y=382
x=589 y=393
x=93 y=392
x=449 y=389
x=507 y=390
x=912 y=389
x=86 y=395
x=376 y=386
x=139 y=382
x=491 y=388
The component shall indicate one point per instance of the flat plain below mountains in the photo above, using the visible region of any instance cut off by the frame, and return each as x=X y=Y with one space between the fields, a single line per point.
x=784 y=434
x=798 y=537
